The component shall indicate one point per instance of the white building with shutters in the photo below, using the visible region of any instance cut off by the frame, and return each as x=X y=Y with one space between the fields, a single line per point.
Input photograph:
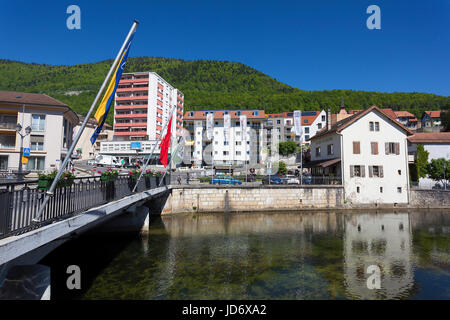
x=369 y=151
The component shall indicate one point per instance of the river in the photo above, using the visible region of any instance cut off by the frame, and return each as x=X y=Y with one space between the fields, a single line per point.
x=301 y=255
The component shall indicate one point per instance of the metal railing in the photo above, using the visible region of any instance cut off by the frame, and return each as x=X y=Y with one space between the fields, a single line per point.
x=20 y=201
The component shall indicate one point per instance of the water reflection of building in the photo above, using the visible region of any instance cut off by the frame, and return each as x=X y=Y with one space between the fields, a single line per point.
x=383 y=240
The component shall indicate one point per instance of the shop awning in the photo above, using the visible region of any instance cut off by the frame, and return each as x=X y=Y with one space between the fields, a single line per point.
x=321 y=163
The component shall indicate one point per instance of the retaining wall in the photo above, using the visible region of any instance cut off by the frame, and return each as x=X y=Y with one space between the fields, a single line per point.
x=252 y=198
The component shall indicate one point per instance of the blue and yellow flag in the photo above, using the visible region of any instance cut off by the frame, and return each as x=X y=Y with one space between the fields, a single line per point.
x=105 y=104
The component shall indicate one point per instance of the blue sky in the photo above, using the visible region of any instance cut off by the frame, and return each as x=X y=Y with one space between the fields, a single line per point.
x=311 y=45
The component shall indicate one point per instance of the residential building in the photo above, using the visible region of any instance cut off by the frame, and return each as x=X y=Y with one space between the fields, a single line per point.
x=431 y=121
x=407 y=119
x=219 y=150
x=436 y=143
x=84 y=148
x=368 y=150
x=51 y=123
x=142 y=107
x=283 y=125
x=143 y=104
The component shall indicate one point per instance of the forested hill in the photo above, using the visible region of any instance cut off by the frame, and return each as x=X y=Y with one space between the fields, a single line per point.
x=206 y=84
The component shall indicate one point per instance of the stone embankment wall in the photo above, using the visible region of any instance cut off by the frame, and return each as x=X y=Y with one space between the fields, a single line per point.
x=429 y=199
x=252 y=198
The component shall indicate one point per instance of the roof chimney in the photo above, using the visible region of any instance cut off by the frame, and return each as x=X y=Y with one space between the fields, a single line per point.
x=328 y=119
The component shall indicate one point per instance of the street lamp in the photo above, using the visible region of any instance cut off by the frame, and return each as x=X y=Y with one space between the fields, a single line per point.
x=27 y=132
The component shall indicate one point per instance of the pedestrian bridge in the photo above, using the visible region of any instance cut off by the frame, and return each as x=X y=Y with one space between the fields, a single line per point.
x=87 y=203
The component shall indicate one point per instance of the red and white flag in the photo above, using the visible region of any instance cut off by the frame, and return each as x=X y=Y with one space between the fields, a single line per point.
x=165 y=144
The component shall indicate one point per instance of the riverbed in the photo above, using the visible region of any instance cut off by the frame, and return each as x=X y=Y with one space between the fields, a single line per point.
x=289 y=255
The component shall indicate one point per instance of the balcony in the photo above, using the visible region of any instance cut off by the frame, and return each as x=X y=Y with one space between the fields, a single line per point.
x=132 y=89
x=8 y=126
x=131 y=115
x=132 y=98
x=140 y=81
x=131 y=107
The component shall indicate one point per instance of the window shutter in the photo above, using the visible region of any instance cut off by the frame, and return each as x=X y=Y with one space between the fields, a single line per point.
x=356 y=146
x=370 y=171
x=380 y=168
x=397 y=148
x=352 y=171
x=363 y=171
x=386 y=147
x=376 y=147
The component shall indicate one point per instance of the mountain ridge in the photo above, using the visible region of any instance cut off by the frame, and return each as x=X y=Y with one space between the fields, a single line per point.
x=206 y=84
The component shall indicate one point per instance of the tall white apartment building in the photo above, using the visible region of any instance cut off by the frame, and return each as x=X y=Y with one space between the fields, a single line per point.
x=221 y=151
x=143 y=103
x=142 y=107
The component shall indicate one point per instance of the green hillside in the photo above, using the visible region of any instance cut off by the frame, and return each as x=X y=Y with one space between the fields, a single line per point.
x=206 y=85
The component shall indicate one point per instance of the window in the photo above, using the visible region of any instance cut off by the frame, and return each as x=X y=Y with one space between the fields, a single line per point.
x=330 y=149
x=306 y=129
x=377 y=126
x=376 y=171
x=399 y=172
x=318 y=152
x=7 y=141
x=392 y=148
x=399 y=189
x=306 y=137
x=381 y=189
x=225 y=143
x=38 y=122
x=278 y=122
x=238 y=153
x=323 y=118
x=356 y=147
x=357 y=171
x=36 y=163
x=371 y=127
x=37 y=143
x=225 y=153
x=255 y=113
x=238 y=143
x=319 y=126
x=3 y=162
x=374 y=147
x=357 y=189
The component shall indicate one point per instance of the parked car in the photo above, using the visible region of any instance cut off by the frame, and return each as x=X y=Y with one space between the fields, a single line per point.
x=223 y=179
x=291 y=179
x=307 y=178
x=273 y=180
x=131 y=166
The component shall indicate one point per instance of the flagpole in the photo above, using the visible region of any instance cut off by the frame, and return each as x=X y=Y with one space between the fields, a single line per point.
x=153 y=149
x=49 y=193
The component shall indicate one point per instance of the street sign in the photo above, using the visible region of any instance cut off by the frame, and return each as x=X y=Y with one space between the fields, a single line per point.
x=135 y=145
x=24 y=160
x=26 y=152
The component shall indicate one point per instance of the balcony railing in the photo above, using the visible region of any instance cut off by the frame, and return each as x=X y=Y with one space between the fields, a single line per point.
x=8 y=125
x=21 y=201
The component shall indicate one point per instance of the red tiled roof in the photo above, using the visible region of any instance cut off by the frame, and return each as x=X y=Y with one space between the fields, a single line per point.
x=404 y=114
x=218 y=114
x=340 y=125
x=29 y=99
x=306 y=120
x=390 y=113
x=433 y=114
x=430 y=137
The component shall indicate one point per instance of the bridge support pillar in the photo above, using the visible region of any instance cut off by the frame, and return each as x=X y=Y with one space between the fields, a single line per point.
x=135 y=218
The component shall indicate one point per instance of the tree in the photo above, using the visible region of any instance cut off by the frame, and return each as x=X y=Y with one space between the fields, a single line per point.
x=422 y=161
x=445 y=120
x=435 y=169
x=287 y=148
x=282 y=167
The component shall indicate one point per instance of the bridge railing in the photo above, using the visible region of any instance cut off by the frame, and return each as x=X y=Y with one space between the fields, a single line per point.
x=20 y=201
